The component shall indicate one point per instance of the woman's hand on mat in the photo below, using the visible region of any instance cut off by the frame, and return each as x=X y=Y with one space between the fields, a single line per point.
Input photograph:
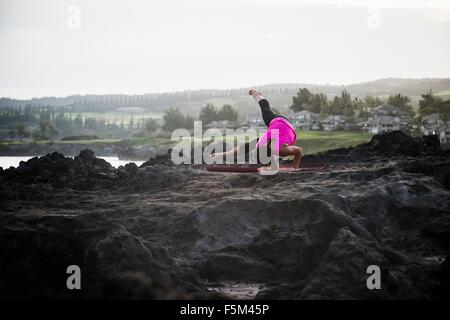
x=216 y=158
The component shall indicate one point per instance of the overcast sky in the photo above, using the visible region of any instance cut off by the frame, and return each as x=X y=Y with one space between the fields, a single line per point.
x=59 y=47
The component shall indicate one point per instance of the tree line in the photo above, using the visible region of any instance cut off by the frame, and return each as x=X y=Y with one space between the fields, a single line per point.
x=345 y=104
x=174 y=119
x=48 y=123
x=429 y=104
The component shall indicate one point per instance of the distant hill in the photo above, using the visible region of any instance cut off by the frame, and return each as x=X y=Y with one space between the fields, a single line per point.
x=410 y=87
x=191 y=101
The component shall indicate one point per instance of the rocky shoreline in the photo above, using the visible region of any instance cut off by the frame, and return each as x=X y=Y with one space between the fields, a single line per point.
x=165 y=231
x=122 y=150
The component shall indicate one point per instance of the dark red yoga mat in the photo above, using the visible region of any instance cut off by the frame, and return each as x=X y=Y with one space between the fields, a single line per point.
x=254 y=169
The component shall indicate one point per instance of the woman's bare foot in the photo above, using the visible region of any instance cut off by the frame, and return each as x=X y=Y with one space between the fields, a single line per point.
x=254 y=92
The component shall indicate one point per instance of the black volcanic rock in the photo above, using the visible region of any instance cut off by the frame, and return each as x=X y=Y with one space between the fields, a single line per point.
x=398 y=143
x=165 y=231
x=395 y=144
x=158 y=159
x=123 y=149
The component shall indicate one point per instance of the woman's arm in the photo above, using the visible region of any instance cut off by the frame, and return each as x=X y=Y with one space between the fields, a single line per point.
x=295 y=151
x=297 y=157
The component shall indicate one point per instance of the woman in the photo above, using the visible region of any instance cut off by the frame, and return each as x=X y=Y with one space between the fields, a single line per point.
x=284 y=145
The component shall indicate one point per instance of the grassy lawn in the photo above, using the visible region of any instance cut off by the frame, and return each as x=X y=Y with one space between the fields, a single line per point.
x=444 y=94
x=117 y=116
x=311 y=141
x=99 y=141
x=155 y=141
x=14 y=142
x=320 y=141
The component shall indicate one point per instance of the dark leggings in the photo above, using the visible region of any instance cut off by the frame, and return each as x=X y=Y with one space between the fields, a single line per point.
x=267 y=113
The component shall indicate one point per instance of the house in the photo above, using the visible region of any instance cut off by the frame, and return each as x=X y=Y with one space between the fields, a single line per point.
x=405 y=122
x=305 y=120
x=334 y=122
x=447 y=132
x=354 y=124
x=380 y=124
x=255 y=124
x=222 y=125
x=387 y=117
x=432 y=119
x=441 y=130
x=385 y=110
x=434 y=125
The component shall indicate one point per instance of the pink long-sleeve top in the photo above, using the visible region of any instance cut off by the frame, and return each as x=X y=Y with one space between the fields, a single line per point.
x=286 y=133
